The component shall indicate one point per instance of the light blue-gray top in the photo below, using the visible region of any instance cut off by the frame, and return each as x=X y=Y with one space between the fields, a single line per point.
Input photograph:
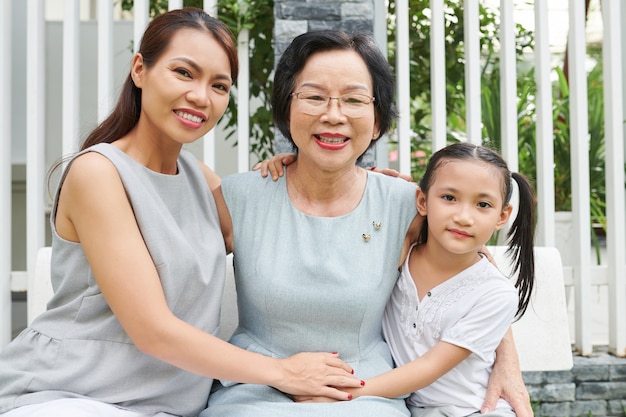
x=307 y=283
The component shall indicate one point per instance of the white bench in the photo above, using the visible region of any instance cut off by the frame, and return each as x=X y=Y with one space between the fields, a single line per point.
x=541 y=336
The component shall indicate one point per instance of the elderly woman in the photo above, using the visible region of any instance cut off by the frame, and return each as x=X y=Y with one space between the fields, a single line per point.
x=317 y=252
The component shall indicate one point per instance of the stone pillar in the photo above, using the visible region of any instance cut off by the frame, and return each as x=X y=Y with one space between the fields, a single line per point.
x=294 y=17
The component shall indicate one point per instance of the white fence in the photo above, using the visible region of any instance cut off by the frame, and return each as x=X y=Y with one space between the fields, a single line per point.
x=581 y=274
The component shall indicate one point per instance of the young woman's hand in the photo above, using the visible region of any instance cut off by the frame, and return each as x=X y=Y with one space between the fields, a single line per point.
x=313 y=375
x=275 y=165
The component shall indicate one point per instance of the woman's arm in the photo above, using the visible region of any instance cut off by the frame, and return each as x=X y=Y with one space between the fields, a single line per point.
x=506 y=380
x=226 y=224
x=94 y=210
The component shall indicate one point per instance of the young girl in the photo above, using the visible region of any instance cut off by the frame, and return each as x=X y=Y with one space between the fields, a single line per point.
x=451 y=306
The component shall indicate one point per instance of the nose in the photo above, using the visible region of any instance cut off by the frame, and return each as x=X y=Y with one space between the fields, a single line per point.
x=199 y=95
x=463 y=215
x=333 y=112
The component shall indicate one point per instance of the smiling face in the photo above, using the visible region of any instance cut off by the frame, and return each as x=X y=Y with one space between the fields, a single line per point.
x=464 y=205
x=186 y=91
x=332 y=139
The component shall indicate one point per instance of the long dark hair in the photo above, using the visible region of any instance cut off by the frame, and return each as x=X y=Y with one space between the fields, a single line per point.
x=521 y=235
x=303 y=46
x=154 y=42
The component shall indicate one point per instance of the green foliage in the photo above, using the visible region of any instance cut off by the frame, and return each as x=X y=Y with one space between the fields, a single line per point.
x=256 y=17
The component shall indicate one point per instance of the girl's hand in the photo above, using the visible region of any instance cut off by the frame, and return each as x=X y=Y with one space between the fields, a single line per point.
x=317 y=375
x=485 y=251
x=275 y=165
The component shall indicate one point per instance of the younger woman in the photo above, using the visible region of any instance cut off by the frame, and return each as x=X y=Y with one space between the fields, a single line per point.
x=451 y=307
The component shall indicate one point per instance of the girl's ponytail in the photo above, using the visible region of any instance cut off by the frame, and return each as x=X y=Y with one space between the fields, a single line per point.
x=521 y=238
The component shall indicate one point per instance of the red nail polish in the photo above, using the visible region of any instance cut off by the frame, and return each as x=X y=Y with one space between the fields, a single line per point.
x=335 y=353
x=362 y=383
x=352 y=372
x=349 y=396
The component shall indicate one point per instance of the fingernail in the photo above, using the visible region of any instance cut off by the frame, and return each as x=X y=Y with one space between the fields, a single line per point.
x=335 y=353
x=352 y=372
x=362 y=383
x=349 y=396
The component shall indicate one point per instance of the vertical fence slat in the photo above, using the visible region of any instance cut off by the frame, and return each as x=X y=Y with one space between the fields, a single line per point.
x=438 y=75
x=472 y=71
x=105 y=59
x=208 y=141
x=403 y=81
x=243 y=103
x=174 y=4
x=141 y=15
x=35 y=134
x=380 y=34
x=544 y=133
x=71 y=75
x=579 y=144
x=5 y=172
x=614 y=142
x=508 y=85
x=508 y=100
x=210 y=6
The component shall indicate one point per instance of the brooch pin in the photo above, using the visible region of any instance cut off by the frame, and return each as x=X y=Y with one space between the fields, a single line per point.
x=366 y=237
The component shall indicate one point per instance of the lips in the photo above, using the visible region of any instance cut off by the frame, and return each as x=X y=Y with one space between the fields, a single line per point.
x=188 y=116
x=333 y=140
x=459 y=233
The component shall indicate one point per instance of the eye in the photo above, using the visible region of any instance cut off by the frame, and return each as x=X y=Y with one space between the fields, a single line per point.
x=448 y=197
x=312 y=96
x=484 y=204
x=222 y=87
x=183 y=72
x=355 y=99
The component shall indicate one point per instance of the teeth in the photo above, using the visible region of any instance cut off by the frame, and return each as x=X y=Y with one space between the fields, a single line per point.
x=190 y=117
x=331 y=140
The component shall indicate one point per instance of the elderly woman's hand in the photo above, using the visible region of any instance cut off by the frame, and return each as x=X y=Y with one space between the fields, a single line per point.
x=506 y=381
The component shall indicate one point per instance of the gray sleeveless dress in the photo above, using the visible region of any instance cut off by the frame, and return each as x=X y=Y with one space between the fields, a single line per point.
x=77 y=348
x=308 y=283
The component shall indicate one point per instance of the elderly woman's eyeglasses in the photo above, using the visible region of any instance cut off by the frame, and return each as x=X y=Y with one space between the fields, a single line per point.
x=352 y=105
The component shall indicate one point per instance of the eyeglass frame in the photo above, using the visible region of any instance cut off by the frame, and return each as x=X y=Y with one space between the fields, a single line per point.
x=339 y=102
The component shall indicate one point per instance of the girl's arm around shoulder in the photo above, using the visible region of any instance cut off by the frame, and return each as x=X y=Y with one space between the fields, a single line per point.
x=94 y=210
x=215 y=185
